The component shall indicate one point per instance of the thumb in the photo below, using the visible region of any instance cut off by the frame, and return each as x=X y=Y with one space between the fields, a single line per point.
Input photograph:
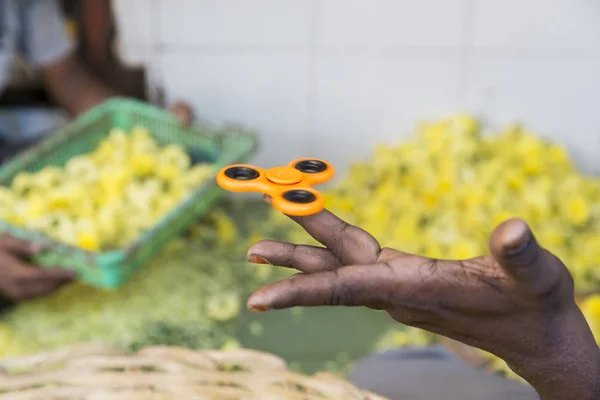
x=515 y=248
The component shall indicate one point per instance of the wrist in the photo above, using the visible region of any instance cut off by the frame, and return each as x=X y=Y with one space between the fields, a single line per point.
x=567 y=366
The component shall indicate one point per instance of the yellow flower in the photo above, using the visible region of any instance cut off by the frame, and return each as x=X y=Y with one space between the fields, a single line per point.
x=532 y=165
x=559 y=155
x=501 y=217
x=256 y=328
x=464 y=249
x=465 y=123
x=591 y=306
x=168 y=172
x=538 y=205
x=196 y=175
x=516 y=180
x=430 y=199
x=88 y=240
x=36 y=206
x=142 y=163
x=591 y=310
x=176 y=156
x=23 y=183
x=406 y=226
x=223 y=307
x=226 y=228
x=433 y=250
x=231 y=345
x=578 y=211
x=114 y=179
x=551 y=238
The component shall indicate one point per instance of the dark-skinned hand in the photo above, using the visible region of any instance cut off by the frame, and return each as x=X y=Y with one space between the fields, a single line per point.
x=517 y=303
x=19 y=278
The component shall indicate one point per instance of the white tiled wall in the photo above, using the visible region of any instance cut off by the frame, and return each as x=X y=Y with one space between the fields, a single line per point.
x=331 y=78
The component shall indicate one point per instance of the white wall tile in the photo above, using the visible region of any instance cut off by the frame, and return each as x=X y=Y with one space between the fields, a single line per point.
x=133 y=55
x=557 y=97
x=264 y=92
x=377 y=23
x=564 y=24
x=235 y=22
x=365 y=94
x=134 y=21
x=363 y=101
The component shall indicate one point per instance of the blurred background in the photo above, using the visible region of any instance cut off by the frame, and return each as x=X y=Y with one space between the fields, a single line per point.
x=314 y=76
x=507 y=90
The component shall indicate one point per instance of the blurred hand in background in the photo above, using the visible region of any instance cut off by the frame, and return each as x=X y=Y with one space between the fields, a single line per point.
x=20 y=279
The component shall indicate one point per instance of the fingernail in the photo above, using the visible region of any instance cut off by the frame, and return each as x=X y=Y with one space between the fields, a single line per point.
x=519 y=243
x=519 y=248
x=256 y=259
x=256 y=308
x=256 y=303
x=267 y=198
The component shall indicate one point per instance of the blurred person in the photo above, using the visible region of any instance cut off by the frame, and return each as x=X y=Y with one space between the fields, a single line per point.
x=37 y=29
x=517 y=303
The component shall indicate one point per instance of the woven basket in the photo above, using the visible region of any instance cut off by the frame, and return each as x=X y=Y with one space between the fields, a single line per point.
x=100 y=372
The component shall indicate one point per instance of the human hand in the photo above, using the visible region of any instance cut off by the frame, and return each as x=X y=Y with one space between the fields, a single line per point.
x=19 y=279
x=517 y=303
x=183 y=112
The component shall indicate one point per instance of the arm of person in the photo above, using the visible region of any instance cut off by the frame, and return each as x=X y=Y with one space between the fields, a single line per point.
x=47 y=44
x=72 y=86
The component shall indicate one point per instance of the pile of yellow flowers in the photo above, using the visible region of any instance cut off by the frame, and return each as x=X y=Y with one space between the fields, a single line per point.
x=106 y=198
x=442 y=192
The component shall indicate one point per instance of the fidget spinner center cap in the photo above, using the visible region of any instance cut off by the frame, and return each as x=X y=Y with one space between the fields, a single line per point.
x=284 y=175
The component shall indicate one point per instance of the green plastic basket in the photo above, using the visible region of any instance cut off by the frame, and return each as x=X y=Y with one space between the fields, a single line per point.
x=111 y=268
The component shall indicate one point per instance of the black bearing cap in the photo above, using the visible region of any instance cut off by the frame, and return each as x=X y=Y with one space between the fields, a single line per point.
x=311 y=166
x=299 y=196
x=241 y=173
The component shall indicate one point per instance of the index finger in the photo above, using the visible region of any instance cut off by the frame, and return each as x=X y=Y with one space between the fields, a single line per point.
x=349 y=243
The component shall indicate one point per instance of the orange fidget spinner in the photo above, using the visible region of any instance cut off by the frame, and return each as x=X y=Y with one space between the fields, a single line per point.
x=290 y=187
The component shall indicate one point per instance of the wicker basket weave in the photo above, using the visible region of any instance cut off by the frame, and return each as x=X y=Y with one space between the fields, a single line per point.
x=100 y=372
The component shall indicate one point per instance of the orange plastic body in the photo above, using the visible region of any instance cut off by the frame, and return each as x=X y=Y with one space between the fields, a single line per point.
x=278 y=181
